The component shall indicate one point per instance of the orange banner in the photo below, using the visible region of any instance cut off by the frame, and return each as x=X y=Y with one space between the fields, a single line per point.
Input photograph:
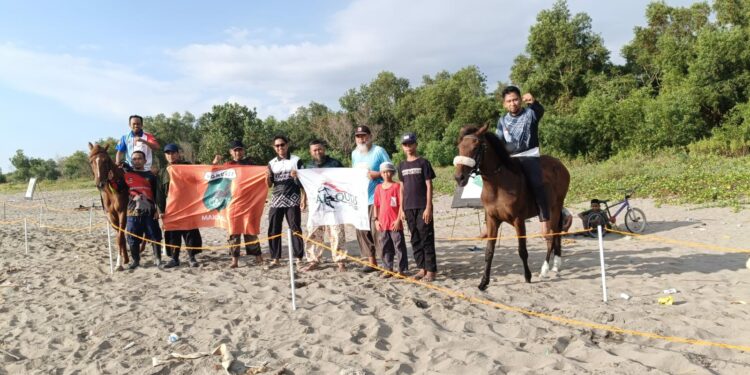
x=223 y=196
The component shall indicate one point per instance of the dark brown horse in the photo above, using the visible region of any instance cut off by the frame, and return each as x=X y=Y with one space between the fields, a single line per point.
x=506 y=195
x=110 y=180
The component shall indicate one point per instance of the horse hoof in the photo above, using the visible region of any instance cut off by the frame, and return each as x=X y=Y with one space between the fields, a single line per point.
x=545 y=269
x=120 y=268
x=483 y=285
x=556 y=264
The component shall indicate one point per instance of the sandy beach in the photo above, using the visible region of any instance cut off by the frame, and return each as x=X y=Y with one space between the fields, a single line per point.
x=62 y=312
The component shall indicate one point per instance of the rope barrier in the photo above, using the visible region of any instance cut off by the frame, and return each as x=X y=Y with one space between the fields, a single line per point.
x=511 y=237
x=222 y=247
x=678 y=242
x=536 y=314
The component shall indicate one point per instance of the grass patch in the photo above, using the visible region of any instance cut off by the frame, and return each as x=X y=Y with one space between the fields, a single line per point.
x=667 y=177
x=62 y=184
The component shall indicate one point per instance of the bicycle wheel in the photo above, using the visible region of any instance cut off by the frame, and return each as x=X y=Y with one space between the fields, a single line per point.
x=594 y=220
x=635 y=220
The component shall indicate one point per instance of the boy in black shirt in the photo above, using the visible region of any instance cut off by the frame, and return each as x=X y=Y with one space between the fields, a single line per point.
x=416 y=175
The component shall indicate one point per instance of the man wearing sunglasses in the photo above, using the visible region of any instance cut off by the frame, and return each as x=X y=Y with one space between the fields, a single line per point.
x=286 y=198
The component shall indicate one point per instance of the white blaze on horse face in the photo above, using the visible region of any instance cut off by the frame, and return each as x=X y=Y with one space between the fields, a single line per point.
x=96 y=170
x=464 y=160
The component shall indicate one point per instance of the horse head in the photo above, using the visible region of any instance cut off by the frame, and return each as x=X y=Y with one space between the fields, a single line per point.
x=470 y=149
x=101 y=165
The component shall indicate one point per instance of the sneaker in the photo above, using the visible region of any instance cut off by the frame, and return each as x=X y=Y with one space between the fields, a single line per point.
x=193 y=263
x=172 y=263
x=133 y=266
x=367 y=269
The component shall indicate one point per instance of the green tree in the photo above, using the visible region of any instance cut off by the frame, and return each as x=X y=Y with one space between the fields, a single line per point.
x=661 y=52
x=177 y=128
x=223 y=124
x=76 y=166
x=562 y=54
x=22 y=164
x=374 y=104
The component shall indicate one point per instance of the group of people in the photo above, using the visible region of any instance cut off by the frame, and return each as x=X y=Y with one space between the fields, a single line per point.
x=390 y=204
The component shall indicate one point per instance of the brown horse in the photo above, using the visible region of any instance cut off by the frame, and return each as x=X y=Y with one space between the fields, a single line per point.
x=110 y=180
x=506 y=195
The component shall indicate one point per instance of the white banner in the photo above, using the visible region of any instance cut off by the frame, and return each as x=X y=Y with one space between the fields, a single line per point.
x=336 y=196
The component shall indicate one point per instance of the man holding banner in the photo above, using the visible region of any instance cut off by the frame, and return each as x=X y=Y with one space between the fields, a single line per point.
x=335 y=233
x=252 y=246
x=285 y=199
x=225 y=196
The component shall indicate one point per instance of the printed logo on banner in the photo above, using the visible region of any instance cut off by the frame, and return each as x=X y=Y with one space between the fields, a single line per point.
x=219 y=189
x=330 y=196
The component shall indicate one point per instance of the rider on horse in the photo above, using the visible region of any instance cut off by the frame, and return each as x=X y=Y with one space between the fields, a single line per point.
x=520 y=130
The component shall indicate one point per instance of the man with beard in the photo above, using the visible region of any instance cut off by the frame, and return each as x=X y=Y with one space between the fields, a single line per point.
x=174 y=238
x=136 y=140
x=369 y=156
x=335 y=233
x=252 y=246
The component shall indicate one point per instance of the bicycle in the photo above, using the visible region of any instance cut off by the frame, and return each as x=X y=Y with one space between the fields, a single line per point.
x=635 y=219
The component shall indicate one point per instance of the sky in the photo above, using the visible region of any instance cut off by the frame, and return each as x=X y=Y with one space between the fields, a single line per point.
x=72 y=71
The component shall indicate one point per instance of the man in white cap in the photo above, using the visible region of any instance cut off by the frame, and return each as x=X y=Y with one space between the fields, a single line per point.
x=368 y=156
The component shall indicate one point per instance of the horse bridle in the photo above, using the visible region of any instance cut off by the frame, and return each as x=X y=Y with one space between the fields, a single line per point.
x=112 y=183
x=475 y=160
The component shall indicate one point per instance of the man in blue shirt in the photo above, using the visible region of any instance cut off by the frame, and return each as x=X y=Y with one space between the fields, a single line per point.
x=369 y=156
x=136 y=140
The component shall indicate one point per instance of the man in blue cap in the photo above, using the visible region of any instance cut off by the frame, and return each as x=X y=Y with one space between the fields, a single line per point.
x=173 y=238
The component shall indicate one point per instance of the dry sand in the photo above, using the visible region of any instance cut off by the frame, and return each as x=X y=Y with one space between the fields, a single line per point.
x=63 y=313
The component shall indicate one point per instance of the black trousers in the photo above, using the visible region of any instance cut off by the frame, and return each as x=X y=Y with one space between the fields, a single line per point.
x=250 y=248
x=532 y=168
x=422 y=239
x=175 y=238
x=275 y=219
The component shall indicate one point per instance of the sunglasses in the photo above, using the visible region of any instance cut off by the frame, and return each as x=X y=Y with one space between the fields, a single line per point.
x=279 y=145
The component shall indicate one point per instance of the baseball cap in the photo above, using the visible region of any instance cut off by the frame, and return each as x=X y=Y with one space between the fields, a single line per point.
x=387 y=166
x=236 y=144
x=171 y=148
x=362 y=130
x=408 y=138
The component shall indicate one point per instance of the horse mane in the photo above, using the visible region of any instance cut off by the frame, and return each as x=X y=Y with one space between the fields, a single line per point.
x=497 y=145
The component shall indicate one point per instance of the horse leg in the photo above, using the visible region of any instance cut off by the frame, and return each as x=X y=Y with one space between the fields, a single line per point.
x=122 y=243
x=557 y=248
x=520 y=225
x=556 y=227
x=491 y=224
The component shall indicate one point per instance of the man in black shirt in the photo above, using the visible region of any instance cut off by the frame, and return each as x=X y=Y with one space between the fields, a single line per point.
x=416 y=175
x=174 y=238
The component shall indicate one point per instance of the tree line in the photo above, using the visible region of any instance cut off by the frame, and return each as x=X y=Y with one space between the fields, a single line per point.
x=684 y=85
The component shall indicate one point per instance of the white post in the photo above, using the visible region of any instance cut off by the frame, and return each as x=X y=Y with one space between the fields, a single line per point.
x=109 y=244
x=291 y=266
x=601 y=261
x=26 y=235
x=91 y=219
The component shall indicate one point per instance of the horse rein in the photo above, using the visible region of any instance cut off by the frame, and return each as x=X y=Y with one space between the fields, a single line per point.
x=111 y=182
x=476 y=160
